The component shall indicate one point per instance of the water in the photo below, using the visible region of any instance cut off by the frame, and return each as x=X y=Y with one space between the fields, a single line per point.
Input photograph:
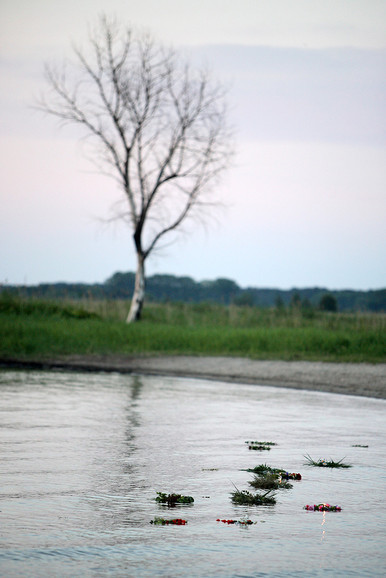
x=82 y=456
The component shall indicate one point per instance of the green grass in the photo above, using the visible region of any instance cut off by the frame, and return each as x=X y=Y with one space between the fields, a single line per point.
x=42 y=329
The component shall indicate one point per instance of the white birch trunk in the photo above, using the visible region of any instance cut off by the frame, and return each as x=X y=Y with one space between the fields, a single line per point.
x=139 y=292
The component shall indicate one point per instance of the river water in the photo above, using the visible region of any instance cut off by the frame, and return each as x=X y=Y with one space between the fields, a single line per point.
x=83 y=455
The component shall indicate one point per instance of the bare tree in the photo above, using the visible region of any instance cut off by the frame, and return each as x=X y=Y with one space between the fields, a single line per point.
x=157 y=127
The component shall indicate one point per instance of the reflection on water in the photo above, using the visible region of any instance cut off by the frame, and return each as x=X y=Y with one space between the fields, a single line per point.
x=82 y=456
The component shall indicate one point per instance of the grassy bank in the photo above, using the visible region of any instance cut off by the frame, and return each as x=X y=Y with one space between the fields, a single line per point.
x=42 y=329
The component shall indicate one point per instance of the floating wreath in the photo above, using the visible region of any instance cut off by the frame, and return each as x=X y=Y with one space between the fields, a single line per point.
x=243 y=497
x=173 y=499
x=326 y=464
x=323 y=508
x=163 y=522
x=263 y=469
x=241 y=522
x=260 y=446
x=269 y=481
x=267 y=478
x=293 y=476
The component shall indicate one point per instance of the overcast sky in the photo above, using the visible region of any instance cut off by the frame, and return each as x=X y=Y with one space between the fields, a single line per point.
x=305 y=199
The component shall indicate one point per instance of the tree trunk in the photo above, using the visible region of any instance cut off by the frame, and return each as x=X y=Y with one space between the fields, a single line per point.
x=139 y=292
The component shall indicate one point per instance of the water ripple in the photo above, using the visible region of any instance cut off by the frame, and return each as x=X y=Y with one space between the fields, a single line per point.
x=84 y=455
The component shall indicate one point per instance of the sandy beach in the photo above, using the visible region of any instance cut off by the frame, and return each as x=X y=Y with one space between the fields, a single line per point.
x=361 y=379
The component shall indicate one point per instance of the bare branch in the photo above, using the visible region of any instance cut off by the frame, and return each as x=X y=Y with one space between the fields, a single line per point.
x=155 y=125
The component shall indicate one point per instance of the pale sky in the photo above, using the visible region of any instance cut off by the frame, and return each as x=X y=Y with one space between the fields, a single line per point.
x=305 y=198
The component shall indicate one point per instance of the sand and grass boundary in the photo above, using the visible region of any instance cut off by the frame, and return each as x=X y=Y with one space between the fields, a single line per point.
x=361 y=379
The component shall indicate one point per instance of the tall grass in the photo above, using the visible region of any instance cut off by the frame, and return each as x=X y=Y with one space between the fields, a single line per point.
x=41 y=329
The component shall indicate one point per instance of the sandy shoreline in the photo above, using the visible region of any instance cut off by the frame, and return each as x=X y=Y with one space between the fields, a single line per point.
x=361 y=379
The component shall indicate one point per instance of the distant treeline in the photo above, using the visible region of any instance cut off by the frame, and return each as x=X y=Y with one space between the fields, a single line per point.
x=164 y=288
